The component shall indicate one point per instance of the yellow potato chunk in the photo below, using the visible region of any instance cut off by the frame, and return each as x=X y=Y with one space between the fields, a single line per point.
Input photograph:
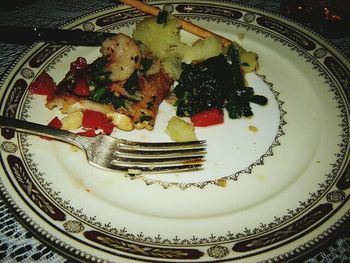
x=180 y=130
x=166 y=44
x=72 y=121
x=121 y=121
x=159 y=38
x=249 y=61
x=201 y=49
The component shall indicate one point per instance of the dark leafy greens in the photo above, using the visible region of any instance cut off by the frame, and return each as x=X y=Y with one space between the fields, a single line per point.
x=215 y=83
x=238 y=102
x=132 y=84
x=203 y=86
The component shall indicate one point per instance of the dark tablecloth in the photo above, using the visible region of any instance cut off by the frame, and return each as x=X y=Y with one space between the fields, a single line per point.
x=17 y=244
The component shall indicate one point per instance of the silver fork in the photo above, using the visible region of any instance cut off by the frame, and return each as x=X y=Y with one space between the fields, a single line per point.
x=118 y=154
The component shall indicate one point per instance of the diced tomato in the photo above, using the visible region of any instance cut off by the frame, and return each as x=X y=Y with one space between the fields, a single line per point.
x=78 y=64
x=97 y=120
x=108 y=128
x=208 y=117
x=55 y=123
x=43 y=85
x=81 y=87
x=92 y=119
x=88 y=133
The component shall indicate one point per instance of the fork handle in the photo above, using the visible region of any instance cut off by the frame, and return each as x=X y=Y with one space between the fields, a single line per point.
x=38 y=129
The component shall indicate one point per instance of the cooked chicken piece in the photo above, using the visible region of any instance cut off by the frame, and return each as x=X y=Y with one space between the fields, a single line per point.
x=137 y=114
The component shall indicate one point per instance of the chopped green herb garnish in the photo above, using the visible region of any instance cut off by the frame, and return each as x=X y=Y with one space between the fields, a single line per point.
x=146 y=63
x=119 y=102
x=145 y=117
x=98 y=93
x=132 y=84
x=98 y=73
x=162 y=17
x=151 y=102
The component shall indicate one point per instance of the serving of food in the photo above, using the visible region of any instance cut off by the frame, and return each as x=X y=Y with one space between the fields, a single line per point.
x=268 y=96
x=134 y=75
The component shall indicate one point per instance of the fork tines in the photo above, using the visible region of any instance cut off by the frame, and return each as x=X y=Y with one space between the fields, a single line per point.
x=138 y=157
x=138 y=169
x=160 y=146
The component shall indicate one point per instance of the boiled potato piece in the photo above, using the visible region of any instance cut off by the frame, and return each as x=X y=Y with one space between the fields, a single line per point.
x=249 y=61
x=201 y=50
x=172 y=66
x=160 y=39
x=166 y=44
x=72 y=121
x=121 y=121
x=180 y=130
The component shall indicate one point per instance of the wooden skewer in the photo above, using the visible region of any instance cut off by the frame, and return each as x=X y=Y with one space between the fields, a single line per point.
x=139 y=5
x=185 y=25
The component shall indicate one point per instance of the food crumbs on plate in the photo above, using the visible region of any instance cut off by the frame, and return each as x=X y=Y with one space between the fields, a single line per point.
x=74 y=148
x=241 y=36
x=222 y=183
x=252 y=128
x=261 y=178
x=133 y=176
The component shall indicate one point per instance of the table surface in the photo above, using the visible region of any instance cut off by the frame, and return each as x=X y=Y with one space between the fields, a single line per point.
x=16 y=243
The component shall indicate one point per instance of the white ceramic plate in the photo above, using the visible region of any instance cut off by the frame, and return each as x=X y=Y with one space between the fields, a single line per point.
x=273 y=193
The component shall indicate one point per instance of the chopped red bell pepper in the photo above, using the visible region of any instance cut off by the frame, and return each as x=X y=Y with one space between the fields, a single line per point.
x=208 y=117
x=92 y=119
x=78 y=64
x=97 y=120
x=81 y=87
x=88 y=133
x=55 y=123
x=43 y=85
x=108 y=128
